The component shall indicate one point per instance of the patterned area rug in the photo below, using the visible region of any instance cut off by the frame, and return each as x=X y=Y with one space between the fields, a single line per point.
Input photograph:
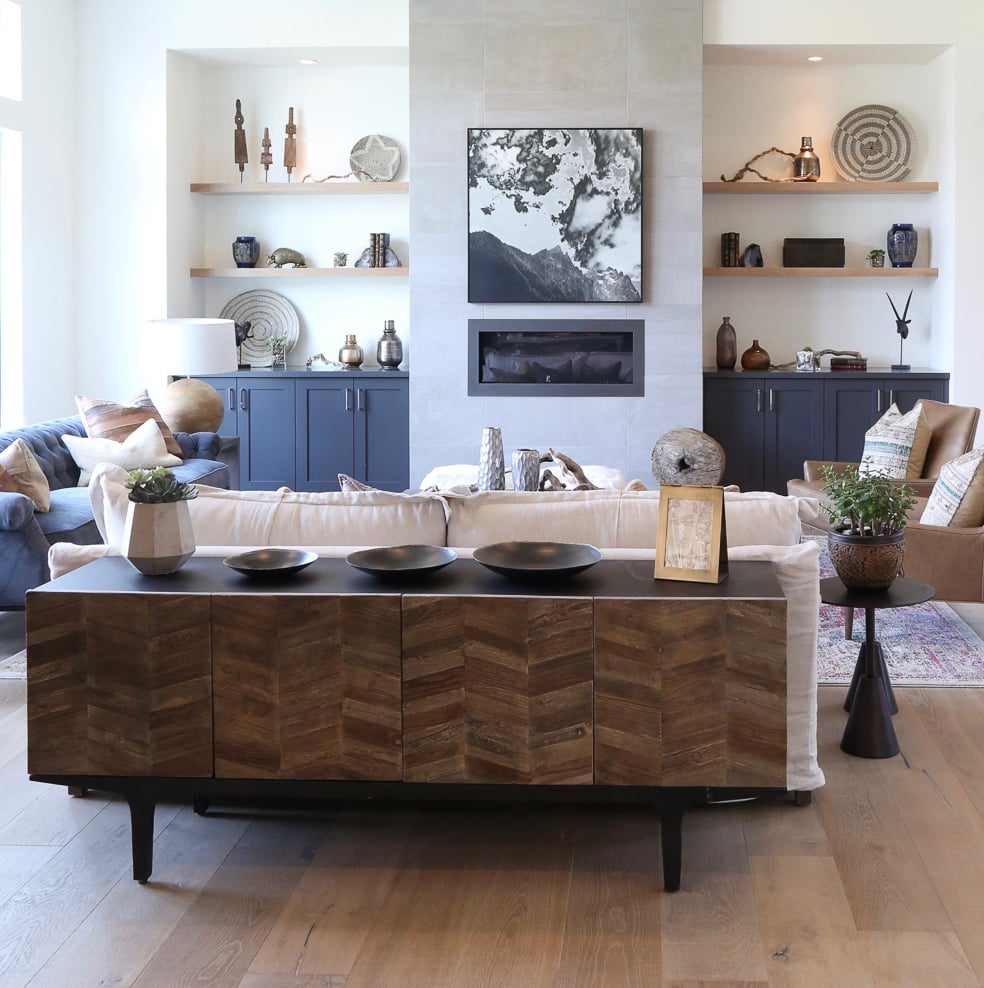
x=15 y=667
x=924 y=645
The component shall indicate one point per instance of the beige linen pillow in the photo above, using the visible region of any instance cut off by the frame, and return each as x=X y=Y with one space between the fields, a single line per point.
x=896 y=444
x=108 y=420
x=20 y=473
x=143 y=448
x=957 y=498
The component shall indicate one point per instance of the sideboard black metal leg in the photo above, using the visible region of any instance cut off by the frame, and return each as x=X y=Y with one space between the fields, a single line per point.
x=671 y=837
x=142 y=806
x=199 y=803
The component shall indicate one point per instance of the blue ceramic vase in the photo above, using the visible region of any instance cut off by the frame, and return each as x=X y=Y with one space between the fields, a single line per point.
x=902 y=242
x=246 y=252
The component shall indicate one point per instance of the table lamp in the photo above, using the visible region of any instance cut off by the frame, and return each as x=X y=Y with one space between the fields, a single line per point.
x=194 y=346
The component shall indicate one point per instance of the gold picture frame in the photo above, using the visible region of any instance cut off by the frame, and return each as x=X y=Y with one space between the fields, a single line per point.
x=692 y=540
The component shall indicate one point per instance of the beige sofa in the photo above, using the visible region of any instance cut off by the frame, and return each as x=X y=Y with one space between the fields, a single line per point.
x=623 y=524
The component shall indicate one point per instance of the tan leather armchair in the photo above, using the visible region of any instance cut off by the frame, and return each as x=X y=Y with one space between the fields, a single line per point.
x=953 y=428
x=949 y=559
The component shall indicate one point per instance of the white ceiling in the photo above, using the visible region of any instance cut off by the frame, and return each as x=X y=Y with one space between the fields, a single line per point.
x=832 y=54
x=328 y=57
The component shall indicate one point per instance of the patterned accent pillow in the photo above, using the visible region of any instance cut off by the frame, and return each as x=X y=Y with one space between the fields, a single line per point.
x=108 y=420
x=957 y=498
x=20 y=473
x=143 y=448
x=896 y=444
x=349 y=485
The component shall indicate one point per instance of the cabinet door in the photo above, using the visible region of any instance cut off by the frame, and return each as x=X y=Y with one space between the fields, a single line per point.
x=906 y=389
x=851 y=406
x=266 y=423
x=324 y=413
x=733 y=415
x=793 y=429
x=226 y=386
x=382 y=433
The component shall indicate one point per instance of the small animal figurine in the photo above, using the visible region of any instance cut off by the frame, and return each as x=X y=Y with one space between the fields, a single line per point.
x=284 y=256
x=751 y=257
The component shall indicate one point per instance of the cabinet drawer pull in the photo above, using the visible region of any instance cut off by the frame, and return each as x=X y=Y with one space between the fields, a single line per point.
x=242 y=399
x=878 y=401
x=232 y=399
x=891 y=397
x=772 y=400
x=758 y=399
x=348 y=399
x=359 y=406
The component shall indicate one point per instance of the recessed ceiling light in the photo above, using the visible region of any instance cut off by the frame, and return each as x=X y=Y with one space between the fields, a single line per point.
x=814 y=58
x=309 y=61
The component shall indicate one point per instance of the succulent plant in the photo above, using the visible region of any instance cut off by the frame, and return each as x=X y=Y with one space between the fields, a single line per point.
x=158 y=486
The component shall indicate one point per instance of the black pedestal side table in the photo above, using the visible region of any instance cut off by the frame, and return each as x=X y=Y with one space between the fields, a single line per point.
x=869 y=732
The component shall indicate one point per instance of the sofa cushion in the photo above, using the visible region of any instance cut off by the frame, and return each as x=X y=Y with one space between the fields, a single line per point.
x=107 y=420
x=20 y=473
x=144 y=447
x=70 y=518
x=957 y=499
x=896 y=444
x=196 y=470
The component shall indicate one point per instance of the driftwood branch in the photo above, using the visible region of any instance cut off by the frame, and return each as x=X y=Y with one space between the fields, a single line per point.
x=817 y=354
x=747 y=167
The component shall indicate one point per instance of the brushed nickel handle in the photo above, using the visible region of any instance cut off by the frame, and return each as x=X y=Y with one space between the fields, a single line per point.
x=878 y=402
x=758 y=399
x=891 y=396
x=348 y=399
x=772 y=400
x=232 y=399
x=359 y=407
x=243 y=404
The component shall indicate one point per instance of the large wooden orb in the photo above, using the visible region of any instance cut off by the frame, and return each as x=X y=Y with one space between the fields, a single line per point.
x=687 y=456
x=191 y=405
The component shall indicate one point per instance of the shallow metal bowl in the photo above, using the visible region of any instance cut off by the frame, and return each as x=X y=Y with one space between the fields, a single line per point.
x=537 y=560
x=270 y=562
x=402 y=560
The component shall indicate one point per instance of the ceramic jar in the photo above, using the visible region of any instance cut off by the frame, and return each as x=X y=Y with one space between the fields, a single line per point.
x=526 y=469
x=755 y=358
x=246 y=252
x=727 y=345
x=902 y=242
x=491 y=461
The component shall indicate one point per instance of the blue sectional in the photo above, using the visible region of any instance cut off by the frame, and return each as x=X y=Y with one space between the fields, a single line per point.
x=26 y=534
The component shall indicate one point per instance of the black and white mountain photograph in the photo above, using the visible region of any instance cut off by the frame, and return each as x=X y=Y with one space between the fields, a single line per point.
x=555 y=215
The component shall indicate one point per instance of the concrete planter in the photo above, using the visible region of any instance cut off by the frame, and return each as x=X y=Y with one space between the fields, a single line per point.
x=158 y=538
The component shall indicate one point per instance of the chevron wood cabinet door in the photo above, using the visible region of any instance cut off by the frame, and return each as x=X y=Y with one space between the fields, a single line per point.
x=307 y=687
x=119 y=684
x=690 y=692
x=497 y=690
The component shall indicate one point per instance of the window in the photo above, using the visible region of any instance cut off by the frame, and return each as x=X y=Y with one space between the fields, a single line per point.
x=11 y=305
x=10 y=49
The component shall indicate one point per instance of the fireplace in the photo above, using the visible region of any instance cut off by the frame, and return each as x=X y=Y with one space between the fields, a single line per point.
x=556 y=357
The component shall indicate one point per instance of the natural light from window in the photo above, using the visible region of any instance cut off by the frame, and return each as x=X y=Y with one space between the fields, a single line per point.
x=10 y=49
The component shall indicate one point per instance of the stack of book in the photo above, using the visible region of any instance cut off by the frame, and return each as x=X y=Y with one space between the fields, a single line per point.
x=729 y=250
x=848 y=363
x=378 y=242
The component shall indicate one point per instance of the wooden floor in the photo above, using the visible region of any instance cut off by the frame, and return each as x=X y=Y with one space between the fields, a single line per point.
x=879 y=883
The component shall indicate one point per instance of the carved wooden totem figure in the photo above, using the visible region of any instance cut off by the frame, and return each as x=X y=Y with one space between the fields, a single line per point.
x=266 y=158
x=290 y=145
x=240 y=147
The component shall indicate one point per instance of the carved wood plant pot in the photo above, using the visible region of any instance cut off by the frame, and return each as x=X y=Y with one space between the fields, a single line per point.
x=158 y=538
x=866 y=562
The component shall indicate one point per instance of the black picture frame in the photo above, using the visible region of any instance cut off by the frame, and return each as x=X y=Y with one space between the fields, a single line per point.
x=555 y=214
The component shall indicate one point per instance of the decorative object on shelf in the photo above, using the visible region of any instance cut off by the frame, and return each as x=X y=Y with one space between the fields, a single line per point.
x=351 y=354
x=491 y=461
x=286 y=257
x=246 y=252
x=319 y=361
x=193 y=346
x=807 y=361
x=241 y=156
x=806 y=164
x=375 y=158
x=266 y=155
x=755 y=357
x=270 y=562
x=526 y=469
x=813 y=252
x=340 y=259
x=873 y=143
x=378 y=254
x=727 y=345
x=729 y=250
x=158 y=537
x=528 y=239
x=268 y=314
x=849 y=363
x=868 y=515
x=389 y=349
x=747 y=167
x=290 y=143
x=687 y=456
x=902 y=242
x=691 y=537
x=530 y=561
x=751 y=257
x=243 y=331
x=278 y=352
x=901 y=327
x=876 y=257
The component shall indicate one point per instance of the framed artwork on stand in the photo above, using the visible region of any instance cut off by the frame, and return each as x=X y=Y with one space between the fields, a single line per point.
x=692 y=540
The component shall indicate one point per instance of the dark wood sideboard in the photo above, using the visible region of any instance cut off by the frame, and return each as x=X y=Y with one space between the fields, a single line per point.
x=769 y=422
x=607 y=685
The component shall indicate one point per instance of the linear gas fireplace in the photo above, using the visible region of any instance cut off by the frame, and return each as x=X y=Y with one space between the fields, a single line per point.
x=558 y=357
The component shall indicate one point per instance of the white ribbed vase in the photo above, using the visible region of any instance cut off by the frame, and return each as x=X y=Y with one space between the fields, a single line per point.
x=491 y=461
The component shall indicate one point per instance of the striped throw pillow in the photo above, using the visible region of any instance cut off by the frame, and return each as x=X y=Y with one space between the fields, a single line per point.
x=896 y=444
x=108 y=420
x=957 y=498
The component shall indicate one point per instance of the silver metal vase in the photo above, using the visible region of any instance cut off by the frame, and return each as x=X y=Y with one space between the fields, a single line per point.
x=526 y=469
x=491 y=461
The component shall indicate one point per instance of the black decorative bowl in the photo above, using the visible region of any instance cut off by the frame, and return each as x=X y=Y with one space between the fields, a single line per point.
x=537 y=560
x=402 y=560
x=270 y=562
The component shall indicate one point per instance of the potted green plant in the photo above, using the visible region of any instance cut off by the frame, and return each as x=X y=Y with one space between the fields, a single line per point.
x=867 y=514
x=876 y=257
x=278 y=351
x=157 y=535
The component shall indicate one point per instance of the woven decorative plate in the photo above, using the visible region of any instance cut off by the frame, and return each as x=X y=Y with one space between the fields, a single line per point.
x=268 y=314
x=873 y=143
x=375 y=158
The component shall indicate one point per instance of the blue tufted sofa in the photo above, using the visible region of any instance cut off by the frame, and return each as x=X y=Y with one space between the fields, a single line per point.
x=26 y=534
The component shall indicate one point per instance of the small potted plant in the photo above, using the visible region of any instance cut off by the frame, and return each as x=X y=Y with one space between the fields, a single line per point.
x=876 y=257
x=157 y=535
x=867 y=514
x=278 y=351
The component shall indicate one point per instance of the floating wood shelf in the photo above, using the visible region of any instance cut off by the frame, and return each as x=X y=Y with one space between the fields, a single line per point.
x=298 y=188
x=263 y=272
x=818 y=188
x=821 y=272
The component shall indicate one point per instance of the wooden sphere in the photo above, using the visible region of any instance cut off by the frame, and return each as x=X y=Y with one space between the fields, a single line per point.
x=687 y=456
x=191 y=405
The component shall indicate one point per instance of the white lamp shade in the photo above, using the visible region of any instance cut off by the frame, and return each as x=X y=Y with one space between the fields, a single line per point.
x=195 y=346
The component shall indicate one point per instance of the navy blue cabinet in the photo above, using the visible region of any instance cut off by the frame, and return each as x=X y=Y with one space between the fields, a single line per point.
x=769 y=422
x=301 y=429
